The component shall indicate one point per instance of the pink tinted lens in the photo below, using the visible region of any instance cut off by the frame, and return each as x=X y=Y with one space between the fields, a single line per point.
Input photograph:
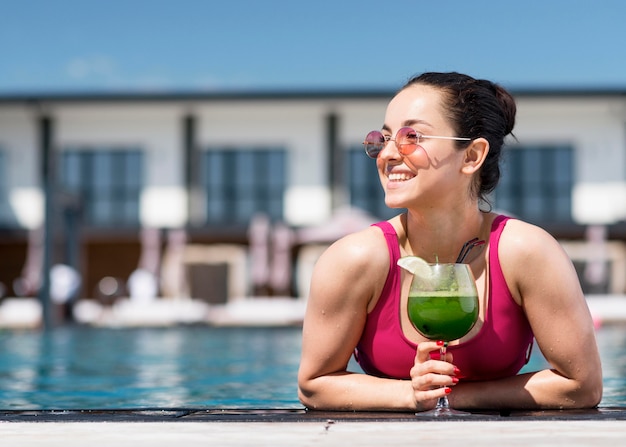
x=407 y=140
x=374 y=143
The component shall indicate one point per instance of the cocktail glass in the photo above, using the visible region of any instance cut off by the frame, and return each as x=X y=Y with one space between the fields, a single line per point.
x=443 y=305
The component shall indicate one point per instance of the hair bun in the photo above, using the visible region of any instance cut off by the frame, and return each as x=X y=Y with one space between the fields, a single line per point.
x=507 y=104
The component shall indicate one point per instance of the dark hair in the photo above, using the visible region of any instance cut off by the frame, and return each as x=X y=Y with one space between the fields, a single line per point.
x=476 y=108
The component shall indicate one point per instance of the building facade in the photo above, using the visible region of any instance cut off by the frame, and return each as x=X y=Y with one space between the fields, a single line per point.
x=103 y=172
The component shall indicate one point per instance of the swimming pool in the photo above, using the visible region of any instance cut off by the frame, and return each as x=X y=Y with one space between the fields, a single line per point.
x=195 y=366
x=78 y=367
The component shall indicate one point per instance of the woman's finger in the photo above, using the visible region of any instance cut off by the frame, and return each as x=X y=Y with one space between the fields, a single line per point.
x=424 y=350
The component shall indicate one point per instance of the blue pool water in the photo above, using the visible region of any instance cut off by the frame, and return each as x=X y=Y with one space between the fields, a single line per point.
x=87 y=368
x=193 y=367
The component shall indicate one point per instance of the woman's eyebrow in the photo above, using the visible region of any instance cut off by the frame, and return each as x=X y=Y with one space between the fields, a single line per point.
x=412 y=122
x=409 y=123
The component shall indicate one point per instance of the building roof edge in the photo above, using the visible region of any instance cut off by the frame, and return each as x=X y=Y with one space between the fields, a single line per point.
x=265 y=95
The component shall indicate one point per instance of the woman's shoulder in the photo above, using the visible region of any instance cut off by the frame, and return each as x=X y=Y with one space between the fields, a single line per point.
x=364 y=248
x=522 y=237
x=363 y=254
x=352 y=268
x=529 y=253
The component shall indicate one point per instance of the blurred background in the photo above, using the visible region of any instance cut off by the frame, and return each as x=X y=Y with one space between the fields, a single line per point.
x=201 y=151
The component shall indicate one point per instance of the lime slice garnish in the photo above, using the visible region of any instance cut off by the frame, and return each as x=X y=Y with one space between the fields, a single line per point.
x=415 y=265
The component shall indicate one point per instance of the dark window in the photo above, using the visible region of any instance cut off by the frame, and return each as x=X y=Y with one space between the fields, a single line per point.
x=106 y=182
x=5 y=206
x=242 y=182
x=536 y=183
x=364 y=185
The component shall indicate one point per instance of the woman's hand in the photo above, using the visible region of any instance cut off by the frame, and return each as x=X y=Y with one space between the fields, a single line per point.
x=431 y=379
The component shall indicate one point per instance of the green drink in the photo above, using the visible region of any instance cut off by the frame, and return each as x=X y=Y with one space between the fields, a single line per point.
x=442 y=315
x=442 y=305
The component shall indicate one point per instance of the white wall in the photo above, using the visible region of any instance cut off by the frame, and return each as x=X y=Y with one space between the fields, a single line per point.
x=18 y=140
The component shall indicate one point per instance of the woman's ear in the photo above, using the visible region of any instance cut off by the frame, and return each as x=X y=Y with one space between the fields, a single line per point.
x=475 y=155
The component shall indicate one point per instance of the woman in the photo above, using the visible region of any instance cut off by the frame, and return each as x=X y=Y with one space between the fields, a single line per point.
x=438 y=156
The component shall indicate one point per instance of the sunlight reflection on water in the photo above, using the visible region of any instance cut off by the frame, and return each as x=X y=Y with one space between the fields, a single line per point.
x=81 y=367
x=188 y=366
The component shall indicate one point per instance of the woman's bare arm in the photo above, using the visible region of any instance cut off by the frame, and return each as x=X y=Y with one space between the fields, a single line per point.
x=542 y=278
x=345 y=280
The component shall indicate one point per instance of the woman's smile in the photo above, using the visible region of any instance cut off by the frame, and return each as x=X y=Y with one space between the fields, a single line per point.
x=400 y=176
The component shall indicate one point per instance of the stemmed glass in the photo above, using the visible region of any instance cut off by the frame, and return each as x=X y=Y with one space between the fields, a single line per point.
x=443 y=305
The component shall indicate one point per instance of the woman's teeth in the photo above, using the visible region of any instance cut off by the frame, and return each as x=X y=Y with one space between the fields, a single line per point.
x=400 y=177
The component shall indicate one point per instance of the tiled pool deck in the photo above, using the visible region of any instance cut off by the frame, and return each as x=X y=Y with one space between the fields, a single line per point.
x=293 y=427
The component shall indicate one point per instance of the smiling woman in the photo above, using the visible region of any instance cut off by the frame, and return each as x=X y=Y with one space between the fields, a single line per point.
x=447 y=131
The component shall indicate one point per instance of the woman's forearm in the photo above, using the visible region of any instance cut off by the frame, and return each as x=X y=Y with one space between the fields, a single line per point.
x=348 y=391
x=546 y=389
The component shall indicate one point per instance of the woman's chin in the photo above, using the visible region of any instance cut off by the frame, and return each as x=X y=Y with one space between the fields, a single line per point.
x=395 y=203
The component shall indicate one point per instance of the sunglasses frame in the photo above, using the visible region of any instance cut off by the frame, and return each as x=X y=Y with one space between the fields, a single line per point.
x=372 y=152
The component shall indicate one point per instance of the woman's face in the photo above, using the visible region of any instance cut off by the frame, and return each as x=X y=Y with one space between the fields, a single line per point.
x=424 y=177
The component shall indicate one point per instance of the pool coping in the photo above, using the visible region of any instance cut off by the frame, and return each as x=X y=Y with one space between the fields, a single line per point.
x=292 y=415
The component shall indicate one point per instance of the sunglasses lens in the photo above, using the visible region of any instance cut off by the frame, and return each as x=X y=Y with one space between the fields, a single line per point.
x=407 y=140
x=374 y=143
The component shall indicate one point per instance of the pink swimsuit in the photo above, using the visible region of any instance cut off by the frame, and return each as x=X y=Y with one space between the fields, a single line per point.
x=499 y=349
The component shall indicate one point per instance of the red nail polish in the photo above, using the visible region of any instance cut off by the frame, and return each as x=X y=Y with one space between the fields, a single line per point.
x=448 y=390
x=457 y=371
x=455 y=380
x=440 y=342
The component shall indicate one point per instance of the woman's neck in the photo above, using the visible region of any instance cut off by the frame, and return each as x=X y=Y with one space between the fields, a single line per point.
x=439 y=238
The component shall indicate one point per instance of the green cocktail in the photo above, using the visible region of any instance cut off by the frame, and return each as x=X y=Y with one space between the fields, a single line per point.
x=443 y=315
x=442 y=305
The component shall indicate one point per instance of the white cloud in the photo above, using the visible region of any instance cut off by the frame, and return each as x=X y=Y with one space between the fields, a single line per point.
x=92 y=67
x=104 y=71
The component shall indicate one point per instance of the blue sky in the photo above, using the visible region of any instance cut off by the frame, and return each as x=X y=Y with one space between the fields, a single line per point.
x=159 y=45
